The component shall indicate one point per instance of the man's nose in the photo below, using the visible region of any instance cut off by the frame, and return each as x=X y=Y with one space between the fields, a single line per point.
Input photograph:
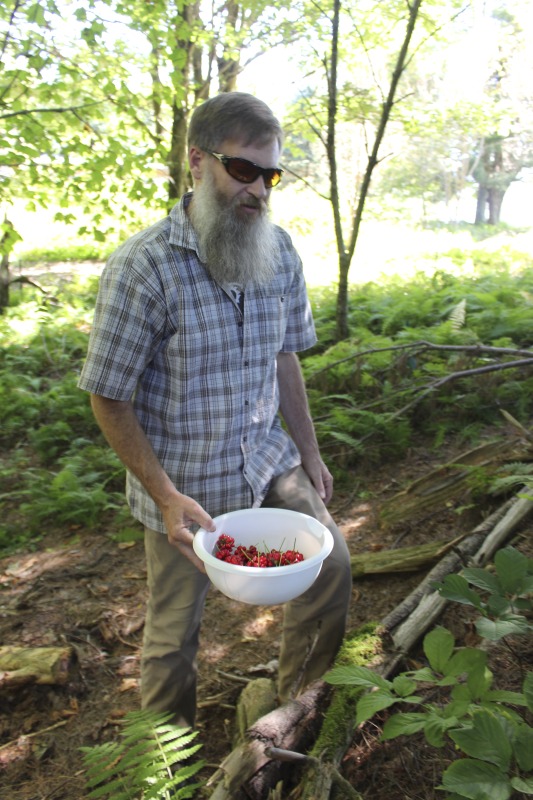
x=258 y=188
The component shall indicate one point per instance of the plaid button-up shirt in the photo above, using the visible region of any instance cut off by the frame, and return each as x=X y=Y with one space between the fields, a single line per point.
x=201 y=372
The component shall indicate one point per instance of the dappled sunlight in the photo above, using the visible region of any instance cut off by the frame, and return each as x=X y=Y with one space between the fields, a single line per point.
x=19 y=331
x=213 y=652
x=258 y=625
x=28 y=568
x=359 y=518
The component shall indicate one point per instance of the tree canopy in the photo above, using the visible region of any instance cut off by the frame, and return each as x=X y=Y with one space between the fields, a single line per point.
x=95 y=99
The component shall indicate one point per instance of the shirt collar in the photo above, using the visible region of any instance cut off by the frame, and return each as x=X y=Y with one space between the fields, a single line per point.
x=182 y=233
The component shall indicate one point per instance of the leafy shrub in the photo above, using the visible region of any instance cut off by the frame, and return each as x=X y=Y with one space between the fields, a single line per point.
x=409 y=338
x=453 y=694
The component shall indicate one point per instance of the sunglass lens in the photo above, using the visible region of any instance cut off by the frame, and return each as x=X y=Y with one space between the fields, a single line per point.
x=242 y=170
x=247 y=172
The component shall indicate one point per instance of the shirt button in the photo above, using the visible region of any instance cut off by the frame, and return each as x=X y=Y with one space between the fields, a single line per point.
x=245 y=438
x=246 y=363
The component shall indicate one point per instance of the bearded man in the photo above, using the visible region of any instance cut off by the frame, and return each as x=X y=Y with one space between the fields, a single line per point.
x=192 y=359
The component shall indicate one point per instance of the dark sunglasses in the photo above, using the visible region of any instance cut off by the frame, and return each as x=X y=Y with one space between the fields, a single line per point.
x=246 y=171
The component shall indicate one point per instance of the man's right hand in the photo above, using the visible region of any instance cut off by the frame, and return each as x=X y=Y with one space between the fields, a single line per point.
x=181 y=512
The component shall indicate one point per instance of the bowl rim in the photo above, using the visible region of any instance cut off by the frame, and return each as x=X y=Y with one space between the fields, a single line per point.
x=287 y=569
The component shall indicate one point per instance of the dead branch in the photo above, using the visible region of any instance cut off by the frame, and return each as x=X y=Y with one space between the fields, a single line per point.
x=421 y=346
x=454 y=376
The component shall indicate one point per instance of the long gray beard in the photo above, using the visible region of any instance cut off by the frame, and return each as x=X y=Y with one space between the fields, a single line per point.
x=234 y=248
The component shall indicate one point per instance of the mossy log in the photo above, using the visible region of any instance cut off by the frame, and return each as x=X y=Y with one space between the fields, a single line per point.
x=453 y=480
x=403 y=559
x=256 y=770
x=44 y=665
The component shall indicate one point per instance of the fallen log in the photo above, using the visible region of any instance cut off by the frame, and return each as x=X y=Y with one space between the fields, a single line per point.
x=403 y=559
x=20 y=666
x=453 y=479
x=249 y=772
x=255 y=770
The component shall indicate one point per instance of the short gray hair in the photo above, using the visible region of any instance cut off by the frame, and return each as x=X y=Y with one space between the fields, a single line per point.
x=233 y=115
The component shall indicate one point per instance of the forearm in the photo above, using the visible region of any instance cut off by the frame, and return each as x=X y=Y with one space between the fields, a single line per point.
x=120 y=426
x=294 y=405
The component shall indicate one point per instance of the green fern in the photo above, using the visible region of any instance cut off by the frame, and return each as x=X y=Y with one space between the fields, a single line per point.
x=145 y=762
x=458 y=315
x=518 y=474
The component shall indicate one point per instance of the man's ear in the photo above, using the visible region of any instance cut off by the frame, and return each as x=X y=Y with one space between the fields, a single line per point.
x=196 y=157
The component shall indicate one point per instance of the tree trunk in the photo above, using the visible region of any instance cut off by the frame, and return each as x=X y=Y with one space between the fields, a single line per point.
x=346 y=254
x=495 y=200
x=177 y=155
x=4 y=282
x=177 y=159
x=7 y=241
x=481 y=204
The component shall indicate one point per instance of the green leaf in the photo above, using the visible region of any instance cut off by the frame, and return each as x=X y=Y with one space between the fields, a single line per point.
x=356 y=676
x=483 y=579
x=438 y=647
x=36 y=14
x=524 y=785
x=485 y=739
x=479 y=681
x=466 y=661
x=371 y=703
x=505 y=696
x=494 y=630
x=523 y=747
x=435 y=728
x=511 y=567
x=403 y=686
x=403 y=724
x=476 y=780
x=455 y=587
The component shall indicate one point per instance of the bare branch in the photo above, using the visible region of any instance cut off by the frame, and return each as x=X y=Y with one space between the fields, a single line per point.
x=422 y=345
x=52 y=110
x=430 y=388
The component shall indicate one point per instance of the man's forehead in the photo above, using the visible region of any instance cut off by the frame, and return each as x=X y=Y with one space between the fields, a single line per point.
x=237 y=146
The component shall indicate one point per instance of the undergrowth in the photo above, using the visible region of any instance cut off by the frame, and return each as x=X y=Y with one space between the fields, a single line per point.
x=451 y=697
x=406 y=371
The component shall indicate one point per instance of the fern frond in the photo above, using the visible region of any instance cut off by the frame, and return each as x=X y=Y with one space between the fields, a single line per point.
x=458 y=315
x=143 y=761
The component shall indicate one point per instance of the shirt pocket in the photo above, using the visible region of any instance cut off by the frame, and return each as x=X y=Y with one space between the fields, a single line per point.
x=267 y=316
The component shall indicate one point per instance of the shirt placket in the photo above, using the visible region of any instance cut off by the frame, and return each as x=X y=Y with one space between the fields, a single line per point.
x=247 y=382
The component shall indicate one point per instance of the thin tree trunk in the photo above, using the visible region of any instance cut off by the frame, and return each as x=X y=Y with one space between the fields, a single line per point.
x=481 y=205
x=346 y=256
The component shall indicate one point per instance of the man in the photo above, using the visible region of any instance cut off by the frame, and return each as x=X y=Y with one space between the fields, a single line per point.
x=192 y=355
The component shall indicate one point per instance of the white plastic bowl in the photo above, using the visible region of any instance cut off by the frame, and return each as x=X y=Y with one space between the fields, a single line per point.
x=267 y=528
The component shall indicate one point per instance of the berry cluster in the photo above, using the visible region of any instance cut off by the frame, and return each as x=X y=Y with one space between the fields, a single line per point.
x=251 y=556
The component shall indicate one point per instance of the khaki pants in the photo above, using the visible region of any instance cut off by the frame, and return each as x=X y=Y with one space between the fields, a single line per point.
x=313 y=624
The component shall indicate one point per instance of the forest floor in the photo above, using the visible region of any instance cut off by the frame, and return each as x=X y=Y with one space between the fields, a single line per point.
x=86 y=589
